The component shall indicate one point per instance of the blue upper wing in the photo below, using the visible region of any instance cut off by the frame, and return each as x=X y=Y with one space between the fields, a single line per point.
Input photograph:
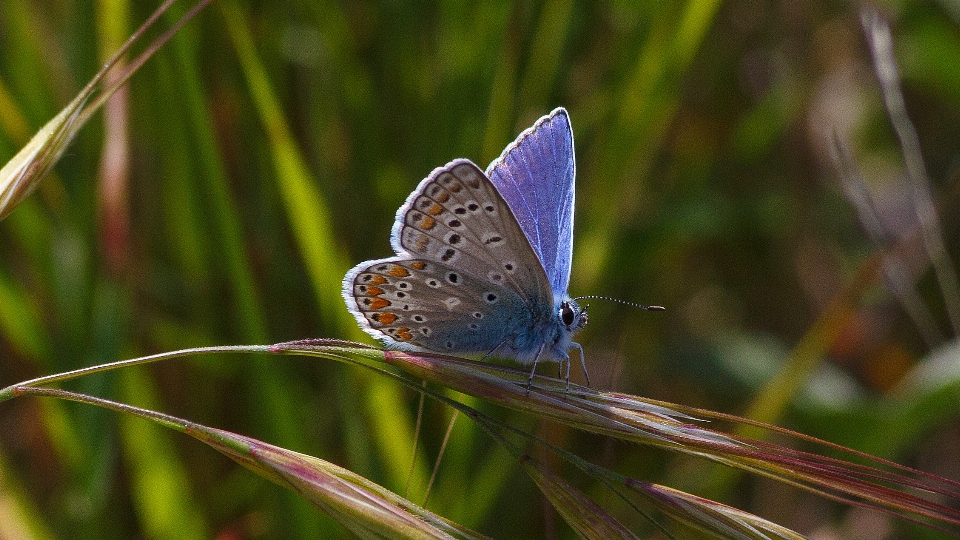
x=535 y=176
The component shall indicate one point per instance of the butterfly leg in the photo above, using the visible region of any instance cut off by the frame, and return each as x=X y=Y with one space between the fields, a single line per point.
x=534 y=370
x=493 y=350
x=583 y=364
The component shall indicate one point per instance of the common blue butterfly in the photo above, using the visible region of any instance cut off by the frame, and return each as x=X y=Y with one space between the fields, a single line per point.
x=482 y=259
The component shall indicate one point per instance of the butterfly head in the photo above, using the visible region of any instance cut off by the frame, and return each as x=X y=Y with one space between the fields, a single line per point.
x=572 y=315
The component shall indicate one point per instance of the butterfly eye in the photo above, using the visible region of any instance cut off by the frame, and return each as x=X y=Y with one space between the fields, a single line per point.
x=566 y=313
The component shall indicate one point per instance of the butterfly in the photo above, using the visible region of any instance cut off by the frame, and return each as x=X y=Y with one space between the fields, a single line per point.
x=482 y=258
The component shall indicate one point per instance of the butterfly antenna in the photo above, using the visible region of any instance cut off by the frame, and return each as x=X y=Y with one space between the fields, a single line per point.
x=624 y=302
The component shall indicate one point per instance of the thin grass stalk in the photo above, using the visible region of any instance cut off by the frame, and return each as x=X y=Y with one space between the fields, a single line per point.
x=895 y=271
x=807 y=354
x=881 y=47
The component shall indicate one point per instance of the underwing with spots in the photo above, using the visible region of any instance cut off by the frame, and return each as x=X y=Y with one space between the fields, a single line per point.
x=482 y=259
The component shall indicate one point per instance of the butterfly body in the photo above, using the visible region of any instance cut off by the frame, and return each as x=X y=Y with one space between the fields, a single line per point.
x=482 y=258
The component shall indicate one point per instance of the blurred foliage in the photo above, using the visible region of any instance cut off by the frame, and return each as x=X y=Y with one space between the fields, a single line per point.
x=266 y=149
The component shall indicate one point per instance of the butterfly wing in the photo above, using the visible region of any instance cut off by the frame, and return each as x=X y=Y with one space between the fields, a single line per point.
x=535 y=175
x=418 y=304
x=458 y=218
x=465 y=276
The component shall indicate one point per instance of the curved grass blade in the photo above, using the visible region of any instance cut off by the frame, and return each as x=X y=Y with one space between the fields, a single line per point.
x=909 y=494
x=20 y=176
x=363 y=507
x=370 y=511
x=712 y=517
x=631 y=418
x=586 y=517
x=592 y=521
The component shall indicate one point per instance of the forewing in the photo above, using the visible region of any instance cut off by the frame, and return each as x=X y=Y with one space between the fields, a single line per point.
x=456 y=217
x=418 y=304
x=535 y=175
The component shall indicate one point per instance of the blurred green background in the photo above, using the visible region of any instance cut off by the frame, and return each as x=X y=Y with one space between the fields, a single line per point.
x=266 y=149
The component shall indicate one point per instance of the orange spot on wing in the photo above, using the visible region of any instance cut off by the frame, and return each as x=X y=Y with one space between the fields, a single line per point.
x=398 y=271
x=377 y=280
x=434 y=210
x=427 y=223
x=384 y=318
x=403 y=334
x=378 y=303
x=374 y=291
x=418 y=265
x=443 y=197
